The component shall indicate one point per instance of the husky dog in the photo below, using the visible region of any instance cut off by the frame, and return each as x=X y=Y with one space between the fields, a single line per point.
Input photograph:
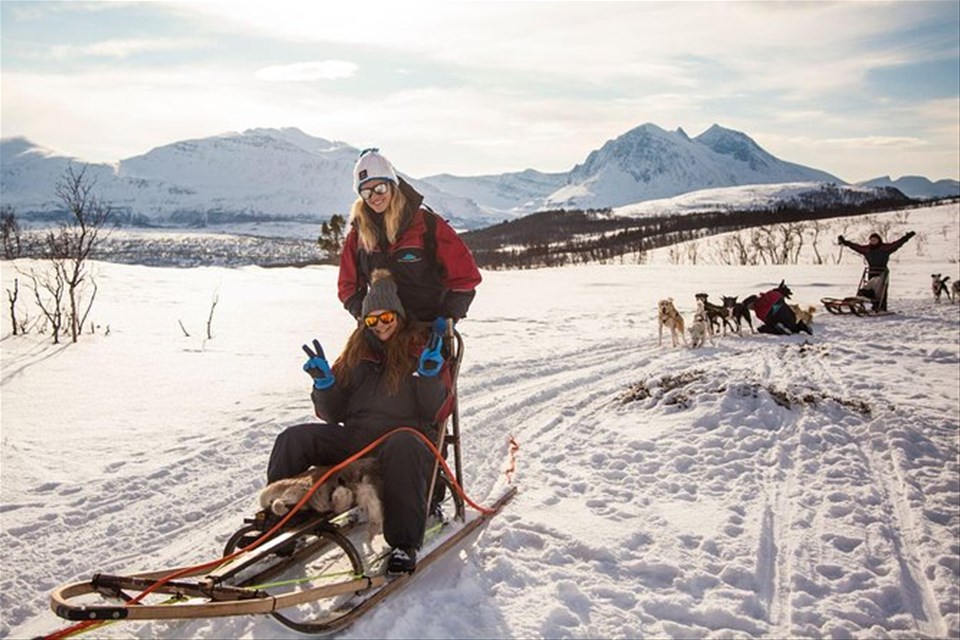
x=700 y=330
x=939 y=286
x=740 y=311
x=955 y=287
x=715 y=314
x=668 y=316
x=357 y=484
x=804 y=314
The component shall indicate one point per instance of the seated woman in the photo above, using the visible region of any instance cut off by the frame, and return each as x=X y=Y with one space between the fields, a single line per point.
x=389 y=375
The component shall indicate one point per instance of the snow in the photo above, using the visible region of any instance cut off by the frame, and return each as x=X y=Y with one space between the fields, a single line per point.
x=761 y=487
x=751 y=197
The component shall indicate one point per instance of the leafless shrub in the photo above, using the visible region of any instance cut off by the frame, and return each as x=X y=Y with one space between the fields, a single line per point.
x=66 y=290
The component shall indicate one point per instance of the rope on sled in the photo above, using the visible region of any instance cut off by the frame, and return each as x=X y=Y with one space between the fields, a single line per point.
x=83 y=626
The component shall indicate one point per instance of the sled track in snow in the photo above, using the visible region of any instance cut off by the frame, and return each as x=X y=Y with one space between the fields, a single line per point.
x=777 y=421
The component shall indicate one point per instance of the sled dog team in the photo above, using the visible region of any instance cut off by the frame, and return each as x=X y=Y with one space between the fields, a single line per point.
x=771 y=309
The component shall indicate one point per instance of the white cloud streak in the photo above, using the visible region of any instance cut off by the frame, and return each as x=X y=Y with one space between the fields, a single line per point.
x=124 y=48
x=308 y=71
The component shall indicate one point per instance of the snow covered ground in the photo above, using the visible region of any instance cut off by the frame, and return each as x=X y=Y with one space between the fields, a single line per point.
x=760 y=487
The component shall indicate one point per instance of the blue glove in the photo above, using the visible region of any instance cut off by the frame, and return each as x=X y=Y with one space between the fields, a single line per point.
x=318 y=367
x=440 y=326
x=431 y=361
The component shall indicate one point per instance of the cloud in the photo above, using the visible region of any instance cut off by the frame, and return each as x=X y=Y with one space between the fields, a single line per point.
x=124 y=48
x=308 y=71
x=877 y=142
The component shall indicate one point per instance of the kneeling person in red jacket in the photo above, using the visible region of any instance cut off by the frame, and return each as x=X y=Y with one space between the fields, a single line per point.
x=776 y=315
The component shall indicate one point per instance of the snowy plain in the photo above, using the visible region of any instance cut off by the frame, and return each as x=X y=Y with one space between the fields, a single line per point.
x=761 y=486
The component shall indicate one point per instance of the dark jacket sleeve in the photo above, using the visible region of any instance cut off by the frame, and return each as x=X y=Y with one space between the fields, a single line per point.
x=330 y=405
x=351 y=285
x=893 y=246
x=461 y=273
x=859 y=248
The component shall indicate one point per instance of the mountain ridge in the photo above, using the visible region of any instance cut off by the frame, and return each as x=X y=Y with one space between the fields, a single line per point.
x=287 y=174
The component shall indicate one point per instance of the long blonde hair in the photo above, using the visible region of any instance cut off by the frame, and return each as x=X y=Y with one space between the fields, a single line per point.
x=392 y=217
x=398 y=360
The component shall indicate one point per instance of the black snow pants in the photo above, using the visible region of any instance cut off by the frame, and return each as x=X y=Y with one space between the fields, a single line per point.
x=783 y=321
x=405 y=466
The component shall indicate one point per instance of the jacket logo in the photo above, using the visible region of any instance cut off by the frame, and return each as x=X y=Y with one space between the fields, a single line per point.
x=409 y=257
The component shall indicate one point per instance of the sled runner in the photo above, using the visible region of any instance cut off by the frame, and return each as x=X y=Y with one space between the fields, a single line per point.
x=871 y=296
x=855 y=305
x=315 y=573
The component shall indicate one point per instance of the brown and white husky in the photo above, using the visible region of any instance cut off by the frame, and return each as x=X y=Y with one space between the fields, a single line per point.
x=357 y=484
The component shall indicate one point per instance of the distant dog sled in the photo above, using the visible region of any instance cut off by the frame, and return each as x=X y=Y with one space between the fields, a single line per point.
x=871 y=298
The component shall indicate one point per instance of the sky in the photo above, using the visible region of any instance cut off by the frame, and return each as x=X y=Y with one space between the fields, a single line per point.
x=858 y=89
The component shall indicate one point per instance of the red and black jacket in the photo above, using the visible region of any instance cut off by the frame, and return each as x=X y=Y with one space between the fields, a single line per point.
x=435 y=272
x=767 y=304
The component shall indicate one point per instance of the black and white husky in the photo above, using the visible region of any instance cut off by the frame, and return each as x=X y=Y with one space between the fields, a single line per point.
x=939 y=287
x=357 y=484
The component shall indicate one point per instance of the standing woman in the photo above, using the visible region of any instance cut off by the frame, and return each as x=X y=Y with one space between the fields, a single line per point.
x=391 y=228
x=388 y=376
x=877 y=254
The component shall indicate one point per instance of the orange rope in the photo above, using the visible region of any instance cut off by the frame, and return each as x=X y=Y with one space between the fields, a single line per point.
x=77 y=628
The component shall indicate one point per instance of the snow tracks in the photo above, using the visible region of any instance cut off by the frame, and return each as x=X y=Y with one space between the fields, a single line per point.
x=764 y=487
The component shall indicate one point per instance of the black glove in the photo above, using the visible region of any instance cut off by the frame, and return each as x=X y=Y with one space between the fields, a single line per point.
x=318 y=367
x=841 y=239
x=910 y=234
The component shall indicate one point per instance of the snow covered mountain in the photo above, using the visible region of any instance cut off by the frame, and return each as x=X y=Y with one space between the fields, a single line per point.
x=648 y=163
x=257 y=174
x=508 y=193
x=917 y=186
x=286 y=174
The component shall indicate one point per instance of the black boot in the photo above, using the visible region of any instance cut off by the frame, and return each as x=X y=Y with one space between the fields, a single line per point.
x=402 y=560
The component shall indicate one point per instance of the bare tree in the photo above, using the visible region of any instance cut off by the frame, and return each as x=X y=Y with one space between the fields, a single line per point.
x=817 y=226
x=18 y=326
x=70 y=247
x=213 y=305
x=10 y=232
x=48 y=291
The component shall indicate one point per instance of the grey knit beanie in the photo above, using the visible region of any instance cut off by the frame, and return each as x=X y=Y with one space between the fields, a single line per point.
x=382 y=293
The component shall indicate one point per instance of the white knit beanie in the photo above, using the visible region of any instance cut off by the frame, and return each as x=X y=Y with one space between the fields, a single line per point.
x=372 y=166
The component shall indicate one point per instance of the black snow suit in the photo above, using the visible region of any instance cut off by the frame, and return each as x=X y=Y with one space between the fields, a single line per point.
x=357 y=414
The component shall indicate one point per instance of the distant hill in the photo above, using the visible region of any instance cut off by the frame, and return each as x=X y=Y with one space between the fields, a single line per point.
x=917 y=186
x=560 y=237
